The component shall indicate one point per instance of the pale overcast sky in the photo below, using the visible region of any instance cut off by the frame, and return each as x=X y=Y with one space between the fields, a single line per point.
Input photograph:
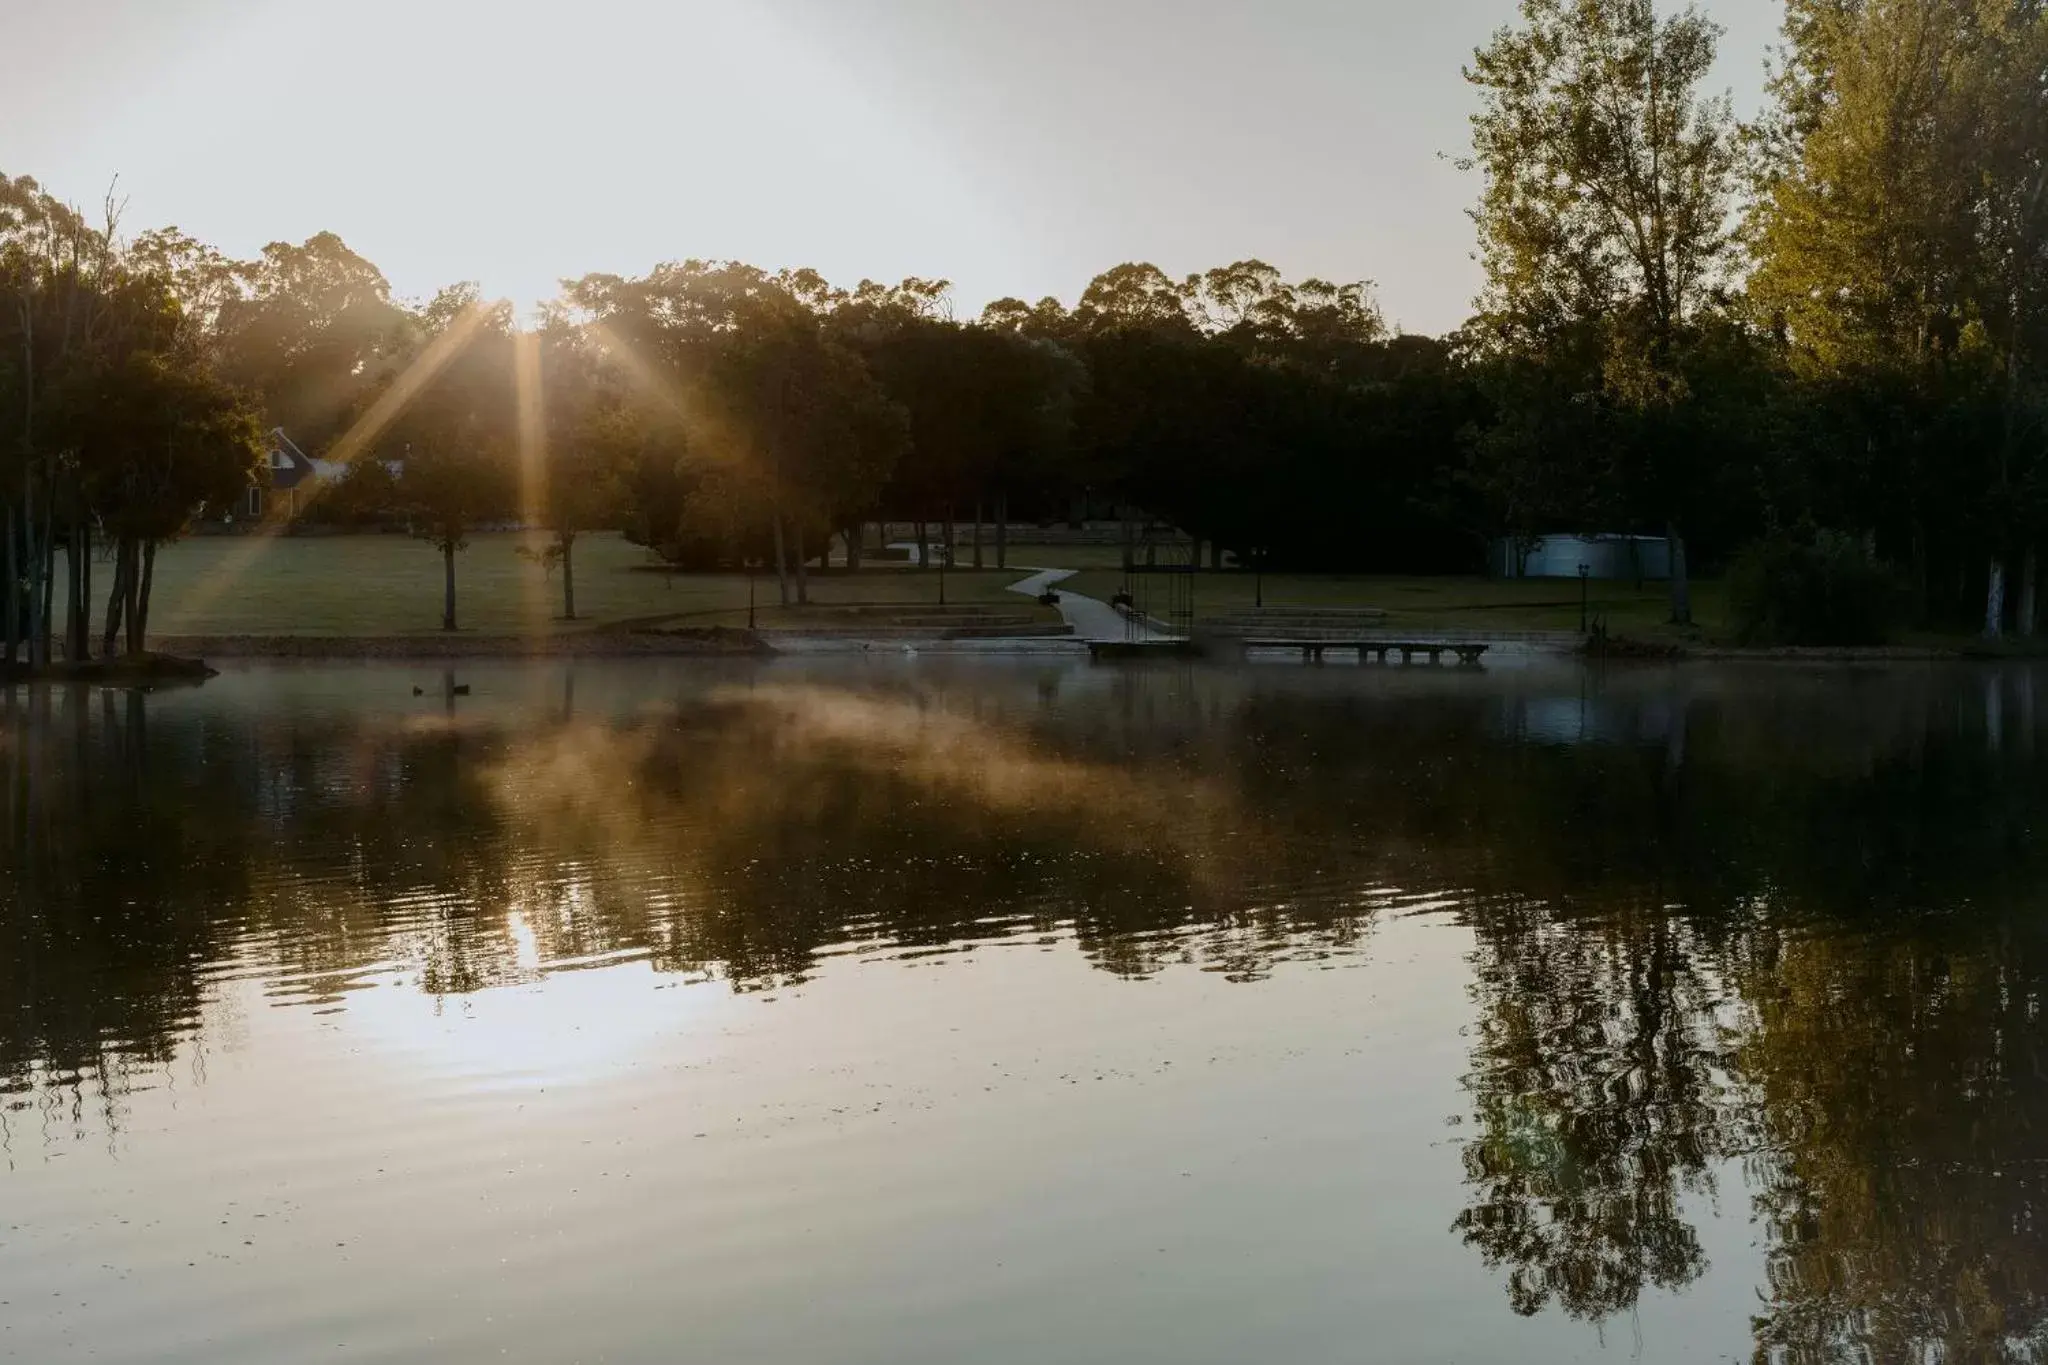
x=1011 y=146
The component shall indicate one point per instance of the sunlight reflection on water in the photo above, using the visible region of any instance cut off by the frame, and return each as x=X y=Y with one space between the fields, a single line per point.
x=862 y=1011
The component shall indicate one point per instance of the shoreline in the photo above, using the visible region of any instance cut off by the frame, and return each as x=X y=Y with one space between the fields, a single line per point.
x=710 y=641
x=186 y=656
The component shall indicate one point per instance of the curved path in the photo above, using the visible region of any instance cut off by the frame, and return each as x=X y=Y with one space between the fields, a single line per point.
x=1091 y=619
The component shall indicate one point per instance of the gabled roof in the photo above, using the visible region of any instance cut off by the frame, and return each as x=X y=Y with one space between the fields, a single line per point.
x=284 y=443
x=289 y=466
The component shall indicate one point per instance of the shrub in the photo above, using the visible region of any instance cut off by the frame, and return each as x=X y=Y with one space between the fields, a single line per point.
x=1828 y=591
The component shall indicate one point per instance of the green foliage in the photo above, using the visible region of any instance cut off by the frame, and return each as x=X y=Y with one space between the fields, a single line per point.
x=447 y=491
x=1603 y=227
x=1900 y=231
x=1830 y=590
x=1608 y=178
x=367 y=495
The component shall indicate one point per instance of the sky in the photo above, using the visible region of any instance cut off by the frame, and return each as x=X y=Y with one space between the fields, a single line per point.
x=1014 y=147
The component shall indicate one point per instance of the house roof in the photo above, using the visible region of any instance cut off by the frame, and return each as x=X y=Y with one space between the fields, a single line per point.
x=289 y=466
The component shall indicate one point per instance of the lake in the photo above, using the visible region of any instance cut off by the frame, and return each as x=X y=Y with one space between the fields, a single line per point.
x=942 y=1009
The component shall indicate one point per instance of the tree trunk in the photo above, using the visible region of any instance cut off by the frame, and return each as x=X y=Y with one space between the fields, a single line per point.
x=44 y=631
x=951 y=535
x=977 y=533
x=132 y=588
x=854 y=535
x=803 y=582
x=1681 y=578
x=33 y=639
x=78 y=609
x=1994 y=600
x=10 y=599
x=85 y=591
x=924 y=549
x=138 y=609
x=568 y=578
x=1215 y=554
x=448 y=585
x=1923 y=587
x=1002 y=530
x=2029 y=575
x=117 y=597
x=781 y=560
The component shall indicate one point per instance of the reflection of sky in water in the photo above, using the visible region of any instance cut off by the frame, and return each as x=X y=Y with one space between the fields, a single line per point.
x=1021 y=1011
x=1586 y=719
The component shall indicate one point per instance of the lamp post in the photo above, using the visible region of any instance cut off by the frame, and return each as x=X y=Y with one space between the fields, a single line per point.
x=1585 y=577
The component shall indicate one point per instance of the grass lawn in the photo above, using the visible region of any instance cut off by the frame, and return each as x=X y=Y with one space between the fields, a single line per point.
x=379 y=585
x=1451 y=603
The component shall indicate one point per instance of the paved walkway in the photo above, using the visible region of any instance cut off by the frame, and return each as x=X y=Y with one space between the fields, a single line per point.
x=1091 y=619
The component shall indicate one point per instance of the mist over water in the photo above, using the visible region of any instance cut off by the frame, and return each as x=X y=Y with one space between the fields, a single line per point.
x=943 y=1009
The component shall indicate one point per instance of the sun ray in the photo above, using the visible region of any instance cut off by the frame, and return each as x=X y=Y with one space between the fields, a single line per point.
x=533 y=457
x=389 y=406
x=711 y=436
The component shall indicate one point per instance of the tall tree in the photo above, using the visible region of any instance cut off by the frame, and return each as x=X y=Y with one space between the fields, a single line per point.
x=1901 y=234
x=456 y=436
x=987 y=409
x=1607 y=200
x=313 y=331
x=52 y=266
x=1135 y=295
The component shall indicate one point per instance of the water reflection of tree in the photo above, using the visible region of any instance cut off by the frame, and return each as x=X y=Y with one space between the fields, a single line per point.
x=1598 y=1105
x=94 y=944
x=1901 y=1139
x=1829 y=967
x=1793 y=927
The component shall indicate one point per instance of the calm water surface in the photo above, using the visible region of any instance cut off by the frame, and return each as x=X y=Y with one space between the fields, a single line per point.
x=952 y=1010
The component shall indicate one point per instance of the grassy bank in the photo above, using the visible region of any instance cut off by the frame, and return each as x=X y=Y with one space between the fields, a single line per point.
x=1421 y=604
x=377 y=585
x=381 y=586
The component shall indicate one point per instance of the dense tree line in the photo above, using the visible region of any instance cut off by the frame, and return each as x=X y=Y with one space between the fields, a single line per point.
x=1822 y=323
x=1813 y=335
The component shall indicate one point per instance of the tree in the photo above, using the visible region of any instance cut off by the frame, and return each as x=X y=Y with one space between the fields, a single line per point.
x=1046 y=320
x=1901 y=233
x=1134 y=295
x=566 y=413
x=312 y=331
x=455 y=434
x=447 y=489
x=53 y=266
x=1607 y=201
x=986 y=408
x=805 y=418
x=767 y=400
x=163 y=438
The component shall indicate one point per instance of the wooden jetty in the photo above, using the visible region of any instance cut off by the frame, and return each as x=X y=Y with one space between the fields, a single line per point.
x=1316 y=630
x=1143 y=649
x=1312 y=650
